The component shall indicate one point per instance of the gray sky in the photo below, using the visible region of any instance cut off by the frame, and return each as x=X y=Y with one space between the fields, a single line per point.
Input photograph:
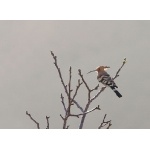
x=29 y=80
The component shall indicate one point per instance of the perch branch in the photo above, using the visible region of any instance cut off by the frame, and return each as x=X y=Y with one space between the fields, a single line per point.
x=102 y=89
x=117 y=73
x=93 y=98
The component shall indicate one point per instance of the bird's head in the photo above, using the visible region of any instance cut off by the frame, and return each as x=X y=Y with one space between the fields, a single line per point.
x=100 y=68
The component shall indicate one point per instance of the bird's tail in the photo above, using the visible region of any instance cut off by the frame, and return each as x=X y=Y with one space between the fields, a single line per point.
x=117 y=93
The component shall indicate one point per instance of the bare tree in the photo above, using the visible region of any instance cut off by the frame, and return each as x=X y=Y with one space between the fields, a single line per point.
x=71 y=99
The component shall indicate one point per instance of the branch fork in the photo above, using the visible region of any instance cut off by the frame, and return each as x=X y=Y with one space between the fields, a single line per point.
x=71 y=99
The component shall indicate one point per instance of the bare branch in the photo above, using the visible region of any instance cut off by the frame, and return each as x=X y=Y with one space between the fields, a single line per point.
x=83 y=117
x=68 y=92
x=104 y=123
x=96 y=108
x=102 y=89
x=69 y=85
x=47 y=119
x=63 y=102
x=117 y=73
x=59 y=72
x=62 y=117
x=67 y=127
x=71 y=99
x=96 y=88
x=65 y=120
x=75 y=94
x=77 y=88
x=77 y=104
x=109 y=125
x=38 y=126
x=73 y=115
x=89 y=90
x=83 y=80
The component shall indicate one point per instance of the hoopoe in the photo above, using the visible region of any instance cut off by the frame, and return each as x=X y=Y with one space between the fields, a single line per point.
x=105 y=79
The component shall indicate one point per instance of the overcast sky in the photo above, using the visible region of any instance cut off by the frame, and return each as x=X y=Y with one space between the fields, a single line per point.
x=30 y=82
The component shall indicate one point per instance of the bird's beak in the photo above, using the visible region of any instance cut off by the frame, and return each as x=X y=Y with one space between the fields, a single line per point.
x=106 y=67
x=92 y=71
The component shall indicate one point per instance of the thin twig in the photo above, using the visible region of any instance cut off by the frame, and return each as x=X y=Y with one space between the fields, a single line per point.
x=63 y=102
x=77 y=104
x=101 y=125
x=96 y=88
x=38 y=126
x=69 y=85
x=102 y=89
x=104 y=123
x=89 y=90
x=96 y=108
x=59 y=72
x=62 y=117
x=75 y=94
x=67 y=127
x=47 y=119
x=117 y=73
x=68 y=92
x=77 y=88
x=109 y=125
x=83 y=80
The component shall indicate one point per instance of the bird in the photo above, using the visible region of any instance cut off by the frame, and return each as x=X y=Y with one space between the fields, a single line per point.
x=105 y=79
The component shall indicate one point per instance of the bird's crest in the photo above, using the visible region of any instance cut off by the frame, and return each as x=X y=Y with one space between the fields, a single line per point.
x=100 y=68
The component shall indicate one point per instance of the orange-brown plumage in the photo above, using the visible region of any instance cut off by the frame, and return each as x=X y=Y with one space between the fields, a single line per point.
x=105 y=78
